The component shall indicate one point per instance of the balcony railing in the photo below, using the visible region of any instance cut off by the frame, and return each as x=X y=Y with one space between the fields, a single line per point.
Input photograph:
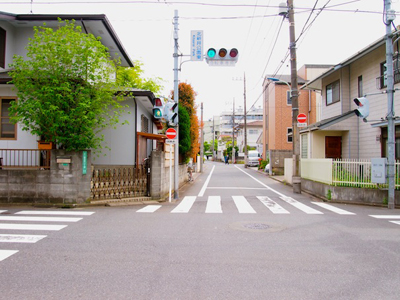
x=24 y=159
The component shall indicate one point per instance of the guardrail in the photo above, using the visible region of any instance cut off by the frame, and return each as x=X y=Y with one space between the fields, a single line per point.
x=25 y=159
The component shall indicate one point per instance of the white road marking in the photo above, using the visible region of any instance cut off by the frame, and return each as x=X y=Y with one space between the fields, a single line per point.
x=272 y=205
x=235 y=188
x=301 y=206
x=39 y=219
x=31 y=226
x=203 y=189
x=385 y=216
x=214 y=204
x=50 y=212
x=149 y=209
x=395 y=222
x=185 y=205
x=333 y=208
x=6 y=253
x=243 y=205
x=1 y=211
x=20 y=238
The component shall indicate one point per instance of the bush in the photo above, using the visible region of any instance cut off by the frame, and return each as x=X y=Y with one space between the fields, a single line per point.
x=262 y=164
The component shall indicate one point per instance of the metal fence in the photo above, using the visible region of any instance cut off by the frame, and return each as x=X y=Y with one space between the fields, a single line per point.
x=119 y=182
x=357 y=173
x=25 y=159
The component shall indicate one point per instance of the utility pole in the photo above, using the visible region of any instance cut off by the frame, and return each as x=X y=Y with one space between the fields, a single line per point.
x=201 y=140
x=176 y=98
x=233 y=132
x=296 y=179
x=390 y=15
x=245 y=122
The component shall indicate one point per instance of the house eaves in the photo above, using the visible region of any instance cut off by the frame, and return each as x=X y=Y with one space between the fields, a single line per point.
x=321 y=125
x=98 y=25
x=316 y=83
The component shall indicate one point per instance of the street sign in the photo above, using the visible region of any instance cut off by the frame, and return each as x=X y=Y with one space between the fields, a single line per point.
x=169 y=141
x=302 y=118
x=301 y=124
x=196 y=45
x=170 y=133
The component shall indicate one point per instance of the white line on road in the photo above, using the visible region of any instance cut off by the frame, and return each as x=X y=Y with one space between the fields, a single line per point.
x=301 y=206
x=214 y=205
x=1 y=211
x=235 y=188
x=272 y=205
x=6 y=253
x=149 y=209
x=395 y=222
x=243 y=205
x=385 y=216
x=185 y=205
x=20 y=238
x=50 y=212
x=333 y=208
x=203 y=189
x=39 y=219
x=31 y=226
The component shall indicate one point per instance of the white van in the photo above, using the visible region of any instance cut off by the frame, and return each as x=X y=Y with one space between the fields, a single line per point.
x=253 y=158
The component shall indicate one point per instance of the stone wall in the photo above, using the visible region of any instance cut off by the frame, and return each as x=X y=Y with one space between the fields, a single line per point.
x=159 y=181
x=277 y=160
x=64 y=183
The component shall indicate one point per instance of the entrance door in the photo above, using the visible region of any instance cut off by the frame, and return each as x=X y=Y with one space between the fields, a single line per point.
x=333 y=147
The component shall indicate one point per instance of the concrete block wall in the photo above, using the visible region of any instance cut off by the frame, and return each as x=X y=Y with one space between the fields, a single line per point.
x=62 y=184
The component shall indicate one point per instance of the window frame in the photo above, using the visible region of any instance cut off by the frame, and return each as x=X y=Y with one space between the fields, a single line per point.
x=3 y=35
x=331 y=85
x=7 y=117
x=289 y=134
x=288 y=98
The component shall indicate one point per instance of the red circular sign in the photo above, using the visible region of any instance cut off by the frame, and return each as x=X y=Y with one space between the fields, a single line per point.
x=302 y=118
x=171 y=133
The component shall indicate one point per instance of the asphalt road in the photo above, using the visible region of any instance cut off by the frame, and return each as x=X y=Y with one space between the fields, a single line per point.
x=234 y=234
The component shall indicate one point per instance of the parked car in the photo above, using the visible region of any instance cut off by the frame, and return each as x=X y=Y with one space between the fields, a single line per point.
x=253 y=158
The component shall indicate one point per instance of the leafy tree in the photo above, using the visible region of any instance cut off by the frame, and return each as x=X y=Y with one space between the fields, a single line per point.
x=184 y=132
x=133 y=77
x=65 y=88
x=207 y=146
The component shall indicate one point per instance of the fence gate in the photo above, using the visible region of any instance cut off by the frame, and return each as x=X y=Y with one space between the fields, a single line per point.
x=120 y=182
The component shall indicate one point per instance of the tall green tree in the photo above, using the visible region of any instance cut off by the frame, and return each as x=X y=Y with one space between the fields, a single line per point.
x=184 y=132
x=134 y=77
x=65 y=88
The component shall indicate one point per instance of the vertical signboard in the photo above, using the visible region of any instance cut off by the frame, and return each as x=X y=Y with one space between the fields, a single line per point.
x=84 y=162
x=196 y=45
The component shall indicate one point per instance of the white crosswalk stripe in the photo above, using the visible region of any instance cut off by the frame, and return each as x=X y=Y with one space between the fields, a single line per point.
x=33 y=218
x=215 y=204
x=272 y=205
x=388 y=217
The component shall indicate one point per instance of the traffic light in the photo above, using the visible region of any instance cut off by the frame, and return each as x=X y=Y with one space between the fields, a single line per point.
x=158 y=109
x=222 y=57
x=362 y=110
x=170 y=114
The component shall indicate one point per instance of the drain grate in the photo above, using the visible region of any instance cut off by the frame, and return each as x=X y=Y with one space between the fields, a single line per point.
x=261 y=226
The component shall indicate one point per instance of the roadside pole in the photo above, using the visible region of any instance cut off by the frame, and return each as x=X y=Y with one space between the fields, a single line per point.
x=176 y=99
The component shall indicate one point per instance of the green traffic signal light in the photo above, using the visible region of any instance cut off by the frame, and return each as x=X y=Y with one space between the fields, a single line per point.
x=211 y=53
x=157 y=113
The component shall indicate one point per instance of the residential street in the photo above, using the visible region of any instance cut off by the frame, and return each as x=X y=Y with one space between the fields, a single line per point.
x=234 y=234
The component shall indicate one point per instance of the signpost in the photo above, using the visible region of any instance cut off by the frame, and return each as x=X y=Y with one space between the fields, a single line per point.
x=196 y=45
x=301 y=120
x=171 y=135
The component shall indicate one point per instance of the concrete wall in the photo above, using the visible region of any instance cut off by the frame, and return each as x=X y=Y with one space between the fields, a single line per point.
x=159 y=181
x=277 y=160
x=62 y=184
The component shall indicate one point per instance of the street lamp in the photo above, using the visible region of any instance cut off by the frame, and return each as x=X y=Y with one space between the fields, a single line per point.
x=296 y=182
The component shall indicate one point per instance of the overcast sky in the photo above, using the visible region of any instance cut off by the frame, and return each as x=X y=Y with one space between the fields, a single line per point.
x=329 y=34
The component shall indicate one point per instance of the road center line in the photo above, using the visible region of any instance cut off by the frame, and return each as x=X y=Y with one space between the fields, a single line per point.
x=203 y=189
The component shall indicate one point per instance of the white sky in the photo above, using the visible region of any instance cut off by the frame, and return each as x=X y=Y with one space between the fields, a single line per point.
x=145 y=28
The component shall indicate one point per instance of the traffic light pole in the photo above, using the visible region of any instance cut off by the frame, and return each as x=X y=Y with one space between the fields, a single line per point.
x=176 y=98
x=296 y=179
x=390 y=115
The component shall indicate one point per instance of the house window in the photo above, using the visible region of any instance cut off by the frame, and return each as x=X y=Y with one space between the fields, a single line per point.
x=145 y=124
x=288 y=98
x=289 y=134
x=304 y=146
x=253 y=131
x=385 y=141
x=360 y=86
x=7 y=129
x=2 y=48
x=332 y=93
x=381 y=80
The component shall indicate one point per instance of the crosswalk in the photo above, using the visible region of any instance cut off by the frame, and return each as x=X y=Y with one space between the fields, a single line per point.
x=243 y=205
x=33 y=220
x=395 y=219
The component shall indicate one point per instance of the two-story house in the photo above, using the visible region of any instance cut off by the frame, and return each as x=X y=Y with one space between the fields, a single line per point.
x=340 y=133
x=15 y=31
